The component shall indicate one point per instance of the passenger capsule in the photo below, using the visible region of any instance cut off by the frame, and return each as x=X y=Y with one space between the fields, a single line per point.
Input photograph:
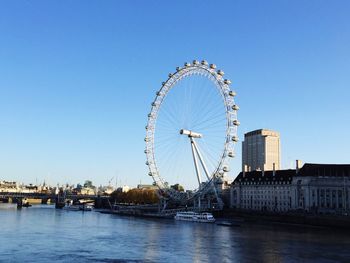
x=178 y=68
x=204 y=62
x=236 y=123
x=154 y=104
x=220 y=72
x=146 y=127
x=150 y=174
x=212 y=66
x=146 y=139
x=235 y=139
x=225 y=169
x=145 y=151
x=227 y=81
x=187 y=64
x=158 y=93
x=235 y=107
x=150 y=115
x=231 y=154
x=147 y=163
x=170 y=75
x=163 y=83
x=195 y=62
x=232 y=93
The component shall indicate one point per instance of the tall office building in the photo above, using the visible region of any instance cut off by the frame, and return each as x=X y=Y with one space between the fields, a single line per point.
x=261 y=150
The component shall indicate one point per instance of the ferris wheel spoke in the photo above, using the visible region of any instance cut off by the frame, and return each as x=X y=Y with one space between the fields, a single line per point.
x=172 y=161
x=210 y=123
x=167 y=149
x=210 y=159
x=206 y=106
x=204 y=124
x=170 y=118
x=165 y=127
x=207 y=116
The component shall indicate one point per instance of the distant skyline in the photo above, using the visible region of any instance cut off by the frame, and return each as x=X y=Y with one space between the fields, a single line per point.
x=77 y=79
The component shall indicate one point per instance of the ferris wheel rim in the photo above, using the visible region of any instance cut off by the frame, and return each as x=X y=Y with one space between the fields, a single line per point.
x=223 y=86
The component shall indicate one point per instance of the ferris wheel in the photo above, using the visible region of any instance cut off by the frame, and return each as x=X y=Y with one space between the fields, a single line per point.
x=191 y=131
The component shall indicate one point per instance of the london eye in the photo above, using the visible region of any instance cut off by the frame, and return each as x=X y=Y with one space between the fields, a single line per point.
x=191 y=131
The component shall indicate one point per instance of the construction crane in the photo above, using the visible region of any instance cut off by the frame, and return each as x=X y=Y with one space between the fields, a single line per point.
x=109 y=182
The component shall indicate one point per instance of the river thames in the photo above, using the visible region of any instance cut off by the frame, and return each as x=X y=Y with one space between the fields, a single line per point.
x=43 y=234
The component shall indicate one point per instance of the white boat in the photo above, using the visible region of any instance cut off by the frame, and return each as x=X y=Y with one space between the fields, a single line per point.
x=71 y=207
x=195 y=217
x=78 y=206
x=86 y=207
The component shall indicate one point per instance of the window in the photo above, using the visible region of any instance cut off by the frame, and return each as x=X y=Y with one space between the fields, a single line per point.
x=328 y=198
x=340 y=198
x=334 y=199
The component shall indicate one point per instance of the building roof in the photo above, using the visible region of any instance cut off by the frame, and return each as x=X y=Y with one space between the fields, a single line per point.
x=337 y=170
x=267 y=176
x=309 y=169
x=263 y=132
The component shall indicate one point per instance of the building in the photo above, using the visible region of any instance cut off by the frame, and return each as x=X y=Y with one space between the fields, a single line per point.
x=147 y=187
x=261 y=151
x=316 y=188
x=263 y=190
x=123 y=189
x=322 y=188
x=87 y=191
x=7 y=186
x=105 y=189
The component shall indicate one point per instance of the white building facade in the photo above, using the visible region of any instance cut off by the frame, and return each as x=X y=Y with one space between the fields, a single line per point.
x=316 y=188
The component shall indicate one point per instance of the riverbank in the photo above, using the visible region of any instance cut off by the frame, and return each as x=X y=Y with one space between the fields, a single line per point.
x=258 y=217
x=329 y=221
x=136 y=213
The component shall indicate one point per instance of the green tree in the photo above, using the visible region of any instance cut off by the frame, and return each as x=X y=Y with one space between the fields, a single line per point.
x=178 y=187
x=88 y=184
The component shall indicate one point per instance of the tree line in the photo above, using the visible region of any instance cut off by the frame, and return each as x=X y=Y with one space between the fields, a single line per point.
x=135 y=196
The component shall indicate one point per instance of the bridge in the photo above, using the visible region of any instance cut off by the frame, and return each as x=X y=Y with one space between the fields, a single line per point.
x=7 y=196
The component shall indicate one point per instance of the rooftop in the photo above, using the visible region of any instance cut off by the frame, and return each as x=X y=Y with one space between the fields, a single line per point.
x=267 y=176
x=309 y=169
x=312 y=169
x=263 y=132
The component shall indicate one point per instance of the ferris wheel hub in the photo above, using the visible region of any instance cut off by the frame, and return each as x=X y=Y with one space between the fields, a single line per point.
x=191 y=134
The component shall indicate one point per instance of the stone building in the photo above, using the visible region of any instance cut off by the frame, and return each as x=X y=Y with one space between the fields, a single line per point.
x=317 y=188
x=263 y=190
x=7 y=186
x=322 y=188
x=261 y=150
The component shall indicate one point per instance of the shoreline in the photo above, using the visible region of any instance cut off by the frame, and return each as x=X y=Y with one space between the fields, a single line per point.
x=257 y=217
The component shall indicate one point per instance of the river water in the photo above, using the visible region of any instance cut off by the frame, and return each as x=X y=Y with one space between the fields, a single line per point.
x=43 y=234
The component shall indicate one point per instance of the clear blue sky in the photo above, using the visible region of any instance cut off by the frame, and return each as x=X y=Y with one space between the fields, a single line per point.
x=77 y=79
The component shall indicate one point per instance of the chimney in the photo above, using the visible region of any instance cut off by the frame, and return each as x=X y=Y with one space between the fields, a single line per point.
x=263 y=170
x=297 y=163
x=274 y=169
x=245 y=167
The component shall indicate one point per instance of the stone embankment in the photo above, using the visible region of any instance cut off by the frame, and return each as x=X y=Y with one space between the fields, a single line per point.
x=333 y=221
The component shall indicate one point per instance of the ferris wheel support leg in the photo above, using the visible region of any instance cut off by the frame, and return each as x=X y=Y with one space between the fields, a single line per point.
x=200 y=158
x=206 y=171
x=162 y=205
x=196 y=162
